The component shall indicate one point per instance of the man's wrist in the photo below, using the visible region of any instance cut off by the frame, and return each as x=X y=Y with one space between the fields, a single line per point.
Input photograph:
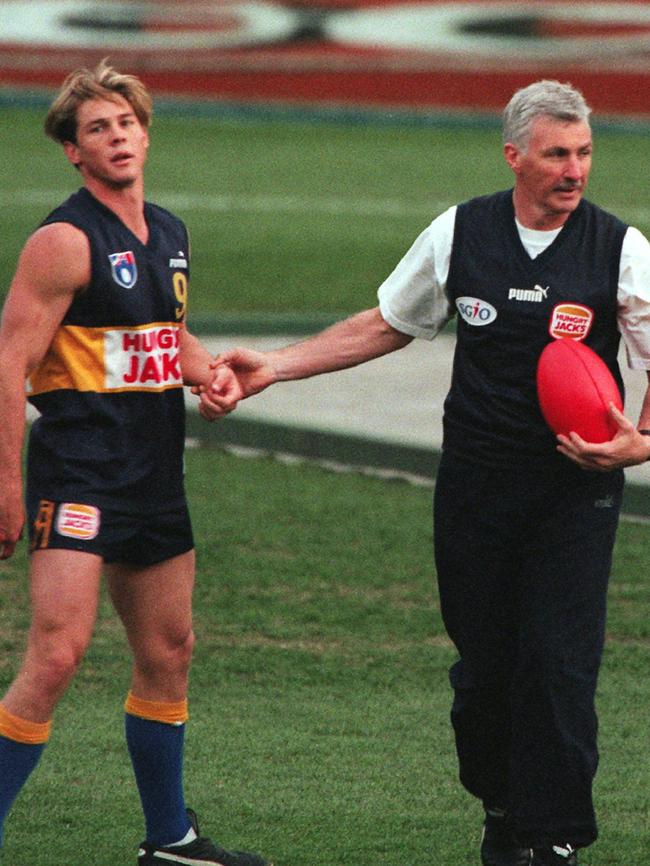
x=645 y=432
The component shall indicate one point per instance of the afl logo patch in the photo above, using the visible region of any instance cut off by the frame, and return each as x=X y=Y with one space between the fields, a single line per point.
x=475 y=311
x=78 y=521
x=570 y=320
x=124 y=269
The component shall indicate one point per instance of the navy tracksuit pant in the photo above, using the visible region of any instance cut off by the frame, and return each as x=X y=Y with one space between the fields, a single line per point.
x=523 y=559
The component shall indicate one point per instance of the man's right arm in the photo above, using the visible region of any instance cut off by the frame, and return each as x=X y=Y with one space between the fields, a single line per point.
x=348 y=343
x=415 y=304
x=54 y=264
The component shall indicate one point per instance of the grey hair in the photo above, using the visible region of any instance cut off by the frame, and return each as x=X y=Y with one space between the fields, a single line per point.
x=543 y=98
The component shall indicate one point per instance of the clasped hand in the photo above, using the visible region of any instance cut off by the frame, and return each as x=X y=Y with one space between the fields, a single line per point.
x=219 y=395
x=238 y=374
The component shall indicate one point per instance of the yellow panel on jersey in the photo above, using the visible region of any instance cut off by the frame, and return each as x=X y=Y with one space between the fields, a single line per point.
x=109 y=360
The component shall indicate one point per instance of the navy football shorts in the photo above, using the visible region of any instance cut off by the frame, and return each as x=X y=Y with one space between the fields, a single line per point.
x=116 y=536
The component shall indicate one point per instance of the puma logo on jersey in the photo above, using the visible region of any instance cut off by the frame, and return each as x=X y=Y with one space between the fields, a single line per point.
x=179 y=262
x=536 y=295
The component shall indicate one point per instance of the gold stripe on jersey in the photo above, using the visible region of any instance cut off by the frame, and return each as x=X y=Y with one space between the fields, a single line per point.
x=110 y=360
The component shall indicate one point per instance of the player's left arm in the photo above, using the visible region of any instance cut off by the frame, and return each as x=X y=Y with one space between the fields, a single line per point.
x=199 y=373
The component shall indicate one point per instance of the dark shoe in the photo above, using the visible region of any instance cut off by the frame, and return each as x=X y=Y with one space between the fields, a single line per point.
x=557 y=855
x=201 y=850
x=499 y=847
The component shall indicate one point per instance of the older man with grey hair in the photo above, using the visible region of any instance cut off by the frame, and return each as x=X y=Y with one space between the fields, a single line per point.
x=524 y=522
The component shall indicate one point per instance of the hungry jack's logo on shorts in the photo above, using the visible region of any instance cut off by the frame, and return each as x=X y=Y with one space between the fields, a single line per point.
x=570 y=320
x=78 y=521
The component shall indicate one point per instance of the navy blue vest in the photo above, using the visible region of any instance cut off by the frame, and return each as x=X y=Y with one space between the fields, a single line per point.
x=509 y=307
x=111 y=431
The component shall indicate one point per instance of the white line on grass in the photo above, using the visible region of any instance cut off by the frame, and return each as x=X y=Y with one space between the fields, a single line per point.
x=383 y=473
x=228 y=203
x=243 y=203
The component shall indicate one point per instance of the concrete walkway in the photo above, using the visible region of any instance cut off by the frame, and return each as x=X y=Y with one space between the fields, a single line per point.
x=396 y=399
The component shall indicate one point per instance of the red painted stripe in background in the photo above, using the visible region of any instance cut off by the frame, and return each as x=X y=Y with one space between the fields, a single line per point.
x=326 y=72
x=608 y=93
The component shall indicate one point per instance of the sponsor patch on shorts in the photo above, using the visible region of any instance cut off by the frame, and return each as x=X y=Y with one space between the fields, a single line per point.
x=78 y=521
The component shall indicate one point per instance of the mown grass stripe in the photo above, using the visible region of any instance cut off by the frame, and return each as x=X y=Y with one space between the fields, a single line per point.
x=384 y=208
x=339 y=450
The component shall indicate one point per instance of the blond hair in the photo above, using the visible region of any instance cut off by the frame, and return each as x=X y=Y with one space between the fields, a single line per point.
x=103 y=82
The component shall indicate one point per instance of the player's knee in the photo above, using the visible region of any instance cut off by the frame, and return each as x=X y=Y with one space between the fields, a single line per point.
x=183 y=650
x=56 y=665
x=170 y=655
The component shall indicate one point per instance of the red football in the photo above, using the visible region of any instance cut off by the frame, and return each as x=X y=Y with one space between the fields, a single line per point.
x=575 y=388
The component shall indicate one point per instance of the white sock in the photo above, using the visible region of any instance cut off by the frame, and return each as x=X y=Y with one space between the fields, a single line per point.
x=190 y=836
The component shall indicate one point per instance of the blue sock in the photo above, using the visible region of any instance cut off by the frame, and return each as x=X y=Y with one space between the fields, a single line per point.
x=156 y=750
x=17 y=760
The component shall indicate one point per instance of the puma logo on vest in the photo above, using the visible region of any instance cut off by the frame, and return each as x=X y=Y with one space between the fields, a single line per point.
x=535 y=295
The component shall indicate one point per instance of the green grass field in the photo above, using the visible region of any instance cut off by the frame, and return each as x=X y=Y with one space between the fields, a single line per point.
x=319 y=698
x=293 y=217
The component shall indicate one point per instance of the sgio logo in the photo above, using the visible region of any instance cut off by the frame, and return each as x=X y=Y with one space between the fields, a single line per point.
x=475 y=311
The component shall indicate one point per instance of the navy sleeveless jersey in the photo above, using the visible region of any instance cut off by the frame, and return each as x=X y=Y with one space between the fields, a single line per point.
x=509 y=307
x=111 y=430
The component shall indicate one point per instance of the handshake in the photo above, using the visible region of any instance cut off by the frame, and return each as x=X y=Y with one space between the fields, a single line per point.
x=234 y=375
